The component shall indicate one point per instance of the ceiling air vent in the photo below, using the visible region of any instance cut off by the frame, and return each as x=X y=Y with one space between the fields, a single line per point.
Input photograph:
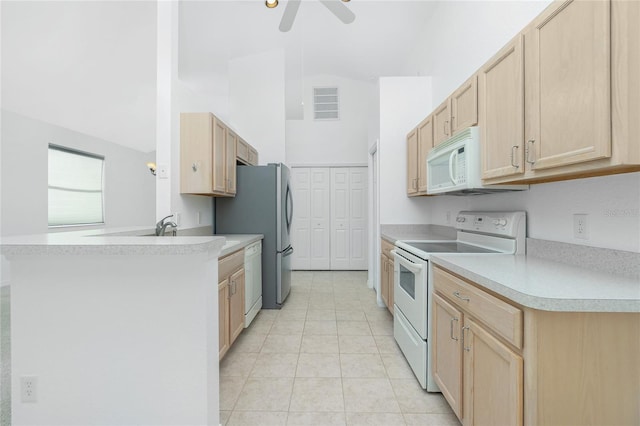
x=325 y=103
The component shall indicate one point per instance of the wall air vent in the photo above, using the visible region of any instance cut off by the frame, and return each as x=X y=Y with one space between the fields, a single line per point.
x=326 y=104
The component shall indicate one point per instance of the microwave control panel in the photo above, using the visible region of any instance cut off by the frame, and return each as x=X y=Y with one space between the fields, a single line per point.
x=460 y=166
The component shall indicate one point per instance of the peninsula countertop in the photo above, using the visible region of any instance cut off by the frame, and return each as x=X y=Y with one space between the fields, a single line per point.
x=546 y=285
x=119 y=241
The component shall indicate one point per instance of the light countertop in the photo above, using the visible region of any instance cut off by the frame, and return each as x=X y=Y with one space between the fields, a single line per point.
x=546 y=285
x=121 y=241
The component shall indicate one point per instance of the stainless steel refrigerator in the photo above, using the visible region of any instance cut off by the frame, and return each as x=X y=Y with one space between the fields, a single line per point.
x=263 y=205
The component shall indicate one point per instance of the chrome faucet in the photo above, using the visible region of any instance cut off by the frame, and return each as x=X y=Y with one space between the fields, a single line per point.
x=161 y=226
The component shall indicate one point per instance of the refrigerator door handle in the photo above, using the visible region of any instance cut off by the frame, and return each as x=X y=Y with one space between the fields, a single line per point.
x=286 y=252
x=289 y=208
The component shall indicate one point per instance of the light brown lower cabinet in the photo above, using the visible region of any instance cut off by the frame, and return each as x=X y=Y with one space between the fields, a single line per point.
x=231 y=277
x=498 y=363
x=386 y=274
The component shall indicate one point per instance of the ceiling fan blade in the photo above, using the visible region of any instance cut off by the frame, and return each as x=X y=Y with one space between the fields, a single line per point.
x=289 y=15
x=341 y=11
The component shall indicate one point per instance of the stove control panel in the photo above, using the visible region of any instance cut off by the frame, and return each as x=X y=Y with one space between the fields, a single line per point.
x=505 y=224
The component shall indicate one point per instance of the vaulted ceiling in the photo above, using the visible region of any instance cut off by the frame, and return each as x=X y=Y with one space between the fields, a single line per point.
x=91 y=66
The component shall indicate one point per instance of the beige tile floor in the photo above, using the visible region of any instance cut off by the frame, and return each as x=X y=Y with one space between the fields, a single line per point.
x=327 y=358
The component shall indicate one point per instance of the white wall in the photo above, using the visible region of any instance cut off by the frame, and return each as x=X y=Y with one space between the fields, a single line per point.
x=332 y=142
x=129 y=195
x=404 y=102
x=257 y=103
x=463 y=35
x=612 y=203
x=174 y=97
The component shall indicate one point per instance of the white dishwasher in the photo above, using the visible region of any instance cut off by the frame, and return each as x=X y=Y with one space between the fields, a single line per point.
x=253 y=281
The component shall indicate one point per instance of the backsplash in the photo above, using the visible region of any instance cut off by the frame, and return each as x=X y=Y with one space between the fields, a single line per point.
x=616 y=262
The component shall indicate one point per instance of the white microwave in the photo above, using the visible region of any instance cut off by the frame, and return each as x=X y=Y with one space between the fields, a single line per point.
x=453 y=167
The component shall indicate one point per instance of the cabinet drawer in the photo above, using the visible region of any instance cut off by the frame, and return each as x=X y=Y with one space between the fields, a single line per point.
x=231 y=263
x=386 y=248
x=503 y=318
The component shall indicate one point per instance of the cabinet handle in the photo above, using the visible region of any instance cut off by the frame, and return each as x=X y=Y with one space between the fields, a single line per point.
x=513 y=156
x=194 y=167
x=528 y=150
x=453 y=120
x=446 y=124
x=466 y=348
x=451 y=329
x=459 y=296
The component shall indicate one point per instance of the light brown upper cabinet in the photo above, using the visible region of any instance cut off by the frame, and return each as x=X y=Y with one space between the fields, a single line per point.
x=580 y=65
x=207 y=155
x=502 y=112
x=412 y=163
x=568 y=90
x=456 y=113
x=464 y=106
x=419 y=143
x=245 y=153
x=230 y=163
x=425 y=144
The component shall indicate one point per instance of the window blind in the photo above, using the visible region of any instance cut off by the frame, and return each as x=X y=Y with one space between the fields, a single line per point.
x=75 y=187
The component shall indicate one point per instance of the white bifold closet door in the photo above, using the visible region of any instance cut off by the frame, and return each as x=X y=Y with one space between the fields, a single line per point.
x=329 y=218
x=311 y=218
x=348 y=218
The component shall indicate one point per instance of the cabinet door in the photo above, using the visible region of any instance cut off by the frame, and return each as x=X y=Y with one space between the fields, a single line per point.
x=425 y=144
x=230 y=164
x=223 y=318
x=320 y=218
x=493 y=380
x=446 y=349
x=219 y=155
x=340 y=240
x=412 y=162
x=358 y=218
x=568 y=81
x=384 y=279
x=464 y=106
x=236 y=304
x=502 y=112
x=442 y=123
x=391 y=286
x=253 y=156
x=301 y=223
x=242 y=150
x=195 y=153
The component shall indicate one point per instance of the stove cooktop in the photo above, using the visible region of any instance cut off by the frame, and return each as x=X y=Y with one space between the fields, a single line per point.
x=448 y=247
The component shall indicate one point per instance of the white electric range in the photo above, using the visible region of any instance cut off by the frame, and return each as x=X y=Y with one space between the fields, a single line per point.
x=478 y=233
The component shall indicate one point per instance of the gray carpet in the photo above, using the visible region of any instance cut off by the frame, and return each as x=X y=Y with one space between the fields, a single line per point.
x=5 y=357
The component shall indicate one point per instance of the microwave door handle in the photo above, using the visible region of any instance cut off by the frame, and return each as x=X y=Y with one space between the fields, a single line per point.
x=452 y=157
x=415 y=268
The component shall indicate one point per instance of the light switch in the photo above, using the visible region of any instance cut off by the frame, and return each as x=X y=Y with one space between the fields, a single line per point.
x=163 y=171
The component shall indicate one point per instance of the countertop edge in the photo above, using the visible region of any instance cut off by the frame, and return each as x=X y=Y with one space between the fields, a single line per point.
x=539 y=302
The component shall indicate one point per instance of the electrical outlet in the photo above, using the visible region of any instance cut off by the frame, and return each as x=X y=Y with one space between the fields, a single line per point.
x=29 y=389
x=581 y=226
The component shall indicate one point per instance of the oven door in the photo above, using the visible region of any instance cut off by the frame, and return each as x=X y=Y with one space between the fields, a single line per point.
x=410 y=289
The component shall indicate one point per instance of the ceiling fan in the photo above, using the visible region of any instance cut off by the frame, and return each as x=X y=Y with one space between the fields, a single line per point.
x=336 y=7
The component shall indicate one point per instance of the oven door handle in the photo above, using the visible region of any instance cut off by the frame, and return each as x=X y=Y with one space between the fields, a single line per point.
x=413 y=267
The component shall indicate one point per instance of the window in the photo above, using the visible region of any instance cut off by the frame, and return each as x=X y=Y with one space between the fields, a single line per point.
x=75 y=187
x=325 y=103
